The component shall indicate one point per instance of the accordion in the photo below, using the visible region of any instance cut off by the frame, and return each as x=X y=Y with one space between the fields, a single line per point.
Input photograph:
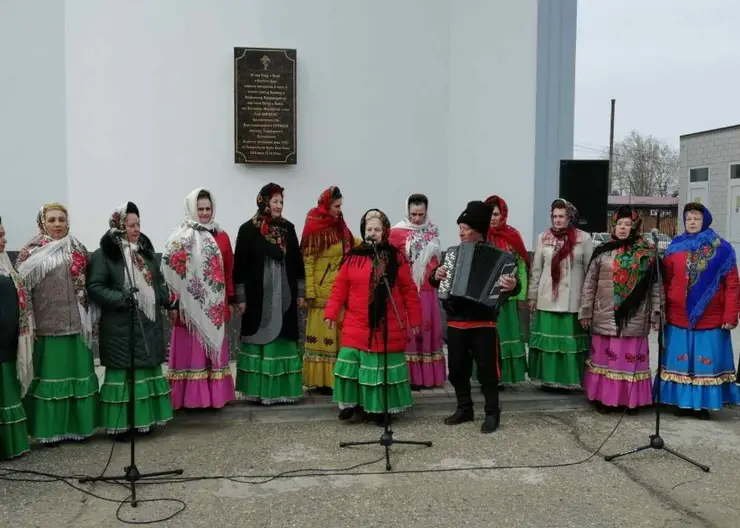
x=473 y=273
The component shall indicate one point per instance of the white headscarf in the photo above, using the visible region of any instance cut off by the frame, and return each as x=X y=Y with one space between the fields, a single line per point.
x=193 y=268
x=422 y=244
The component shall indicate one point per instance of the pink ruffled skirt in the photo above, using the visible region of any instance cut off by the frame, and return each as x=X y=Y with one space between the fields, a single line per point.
x=195 y=381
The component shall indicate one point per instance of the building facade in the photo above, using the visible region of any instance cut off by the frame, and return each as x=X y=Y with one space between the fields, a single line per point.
x=105 y=102
x=710 y=174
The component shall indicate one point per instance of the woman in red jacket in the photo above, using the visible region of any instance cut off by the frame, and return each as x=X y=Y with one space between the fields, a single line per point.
x=701 y=284
x=361 y=292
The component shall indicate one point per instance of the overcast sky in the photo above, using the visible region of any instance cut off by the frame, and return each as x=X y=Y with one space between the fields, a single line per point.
x=672 y=65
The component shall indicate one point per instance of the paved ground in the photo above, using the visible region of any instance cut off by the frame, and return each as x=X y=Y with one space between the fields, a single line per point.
x=649 y=489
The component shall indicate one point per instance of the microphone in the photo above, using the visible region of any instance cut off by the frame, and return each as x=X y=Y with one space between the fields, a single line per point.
x=654 y=235
x=369 y=239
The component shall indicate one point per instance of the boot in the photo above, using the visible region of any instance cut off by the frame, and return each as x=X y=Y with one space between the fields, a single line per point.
x=460 y=416
x=490 y=423
x=346 y=414
x=358 y=416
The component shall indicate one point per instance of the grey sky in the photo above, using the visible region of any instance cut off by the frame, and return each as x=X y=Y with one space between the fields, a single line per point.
x=672 y=65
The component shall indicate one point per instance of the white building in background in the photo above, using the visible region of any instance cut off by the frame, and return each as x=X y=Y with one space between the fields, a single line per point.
x=104 y=102
x=710 y=174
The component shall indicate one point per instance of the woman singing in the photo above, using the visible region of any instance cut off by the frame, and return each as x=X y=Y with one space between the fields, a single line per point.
x=512 y=352
x=701 y=285
x=125 y=260
x=325 y=240
x=558 y=345
x=62 y=400
x=16 y=356
x=270 y=285
x=369 y=317
x=418 y=239
x=197 y=265
x=620 y=298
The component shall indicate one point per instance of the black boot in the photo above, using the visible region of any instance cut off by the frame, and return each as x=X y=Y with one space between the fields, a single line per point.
x=346 y=414
x=490 y=423
x=460 y=416
x=358 y=415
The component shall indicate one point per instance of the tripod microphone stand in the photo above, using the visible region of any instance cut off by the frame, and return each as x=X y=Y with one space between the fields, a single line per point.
x=386 y=438
x=131 y=473
x=656 y=441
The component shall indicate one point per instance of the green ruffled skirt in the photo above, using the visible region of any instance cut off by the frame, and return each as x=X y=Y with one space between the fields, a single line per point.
x=13 y=431
x=558 y=349
x=512 y=351
x=359 y=377
x=270 y=373
x=62 y=401
x=151 y=400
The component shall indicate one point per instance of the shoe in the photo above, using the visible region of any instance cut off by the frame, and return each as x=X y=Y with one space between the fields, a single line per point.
x=703 y=414
x=490 y=423
x=346 y=414
x=460 y=416
x=358 y=415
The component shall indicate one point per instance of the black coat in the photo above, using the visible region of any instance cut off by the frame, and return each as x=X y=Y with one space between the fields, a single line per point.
x=9 y=324
x=249 y=264
x=105 y=287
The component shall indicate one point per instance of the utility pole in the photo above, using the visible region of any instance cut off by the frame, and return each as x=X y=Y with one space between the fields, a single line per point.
x=611 y=146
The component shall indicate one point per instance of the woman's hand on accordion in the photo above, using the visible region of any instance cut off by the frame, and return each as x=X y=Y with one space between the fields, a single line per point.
x=330 y=324
x=441 y=273
x=508 y=283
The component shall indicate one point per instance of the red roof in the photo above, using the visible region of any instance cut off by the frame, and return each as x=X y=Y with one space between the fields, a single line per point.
x=659 y=201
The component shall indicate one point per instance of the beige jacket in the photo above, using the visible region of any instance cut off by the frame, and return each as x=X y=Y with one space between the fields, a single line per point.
x=572 y=274
x=597 y=302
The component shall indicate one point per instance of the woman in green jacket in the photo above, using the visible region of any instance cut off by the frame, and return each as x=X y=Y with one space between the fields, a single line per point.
x=126 y=255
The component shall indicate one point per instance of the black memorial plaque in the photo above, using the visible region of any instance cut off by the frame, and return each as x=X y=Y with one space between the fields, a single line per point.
x=265 y=105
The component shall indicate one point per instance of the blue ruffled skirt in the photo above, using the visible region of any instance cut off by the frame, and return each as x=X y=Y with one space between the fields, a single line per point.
x=698 y=370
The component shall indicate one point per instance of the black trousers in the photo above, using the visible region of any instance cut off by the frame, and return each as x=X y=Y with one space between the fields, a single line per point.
x=464 y=346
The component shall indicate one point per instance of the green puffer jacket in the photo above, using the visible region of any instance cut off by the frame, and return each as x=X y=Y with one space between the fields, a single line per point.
x=105 y=287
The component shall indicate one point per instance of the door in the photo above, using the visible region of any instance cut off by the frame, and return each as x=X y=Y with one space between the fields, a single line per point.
x=699 y=194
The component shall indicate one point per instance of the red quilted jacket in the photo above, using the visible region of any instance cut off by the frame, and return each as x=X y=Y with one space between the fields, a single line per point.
x=351 y=291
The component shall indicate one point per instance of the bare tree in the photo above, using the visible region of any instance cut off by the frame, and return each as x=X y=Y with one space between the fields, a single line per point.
x=644 y=166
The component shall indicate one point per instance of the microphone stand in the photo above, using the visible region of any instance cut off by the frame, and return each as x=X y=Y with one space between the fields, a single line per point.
x=656 y=441
x=386 y=438
x=131 y=473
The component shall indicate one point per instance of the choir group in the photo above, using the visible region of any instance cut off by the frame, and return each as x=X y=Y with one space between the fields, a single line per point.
x=592 y=310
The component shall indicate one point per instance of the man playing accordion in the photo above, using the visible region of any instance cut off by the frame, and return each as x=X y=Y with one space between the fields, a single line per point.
x=471 y=331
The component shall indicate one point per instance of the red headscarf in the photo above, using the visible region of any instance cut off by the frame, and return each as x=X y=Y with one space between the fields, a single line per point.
x=505 y=236
x=323 y=230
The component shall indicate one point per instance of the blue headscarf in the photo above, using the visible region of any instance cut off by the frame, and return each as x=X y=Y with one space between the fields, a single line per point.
x=709 y=260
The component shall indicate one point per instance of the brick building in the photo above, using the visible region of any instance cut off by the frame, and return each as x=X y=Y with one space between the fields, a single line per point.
x=710 y=174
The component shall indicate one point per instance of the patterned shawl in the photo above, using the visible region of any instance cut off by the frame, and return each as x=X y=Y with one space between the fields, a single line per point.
x=322 y=230
x=268 y=226
x=633 y=267
x=193 y=269
x=709 y=259
x=422 y=245
x=504 y=236
x=139 y=272
x=43 y=254
x=24 y=361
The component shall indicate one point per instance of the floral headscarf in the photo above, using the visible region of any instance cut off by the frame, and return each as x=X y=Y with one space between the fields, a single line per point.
x=322 y=230
x=269 y=227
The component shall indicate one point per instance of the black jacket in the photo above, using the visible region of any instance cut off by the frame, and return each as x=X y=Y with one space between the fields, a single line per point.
x=464 y=310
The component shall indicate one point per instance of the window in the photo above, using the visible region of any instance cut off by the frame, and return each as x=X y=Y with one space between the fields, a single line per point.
x=698 y=175
x=735 y=172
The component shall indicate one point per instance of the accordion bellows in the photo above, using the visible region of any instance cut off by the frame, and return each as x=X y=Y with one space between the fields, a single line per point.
x=473 y=273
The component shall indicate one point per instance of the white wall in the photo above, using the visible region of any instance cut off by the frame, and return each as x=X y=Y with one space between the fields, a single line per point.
x=433 y=96
x=32 y=134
